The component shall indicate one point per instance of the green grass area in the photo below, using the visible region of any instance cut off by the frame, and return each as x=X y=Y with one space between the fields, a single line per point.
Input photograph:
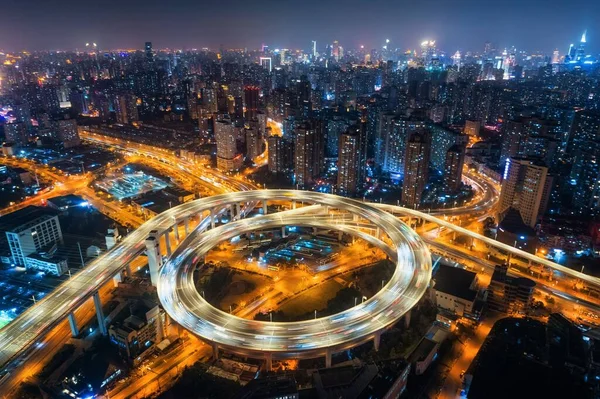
x=315 y=298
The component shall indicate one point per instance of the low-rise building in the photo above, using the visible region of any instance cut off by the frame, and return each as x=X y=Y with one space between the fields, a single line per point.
x=455 y=290
x=137 y=334
x=509 y=294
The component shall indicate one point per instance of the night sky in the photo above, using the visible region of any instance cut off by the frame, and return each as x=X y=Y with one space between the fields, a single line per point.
x=455 y=24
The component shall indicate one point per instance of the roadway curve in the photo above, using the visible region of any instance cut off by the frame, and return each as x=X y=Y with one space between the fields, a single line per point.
x=179 y=297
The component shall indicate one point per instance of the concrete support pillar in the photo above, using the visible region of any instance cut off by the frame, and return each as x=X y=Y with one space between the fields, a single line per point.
x=407 y=319
x=293 y=204
x=215 y=350
x=378 y=233
x=328 y=354
x=377 y=340
x=238 y=210
x=212 y=218
x=73 y=325
x=176 y=231
x=354 y=217
x=265 y=207
x=232 y=212
x=340 y=234
x=154 y=256
x=269 y=361
x=168 y=242
x=100 y=314
x=283 y=235
x=128 y=270
x=186 y=226
x=314 y=230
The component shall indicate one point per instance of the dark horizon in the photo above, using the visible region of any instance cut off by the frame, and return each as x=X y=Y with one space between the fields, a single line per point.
x=531 y=25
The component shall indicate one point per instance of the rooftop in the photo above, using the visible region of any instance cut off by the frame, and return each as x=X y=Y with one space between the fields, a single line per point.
x=24 y=218
x=422 y=350
x=455 y=281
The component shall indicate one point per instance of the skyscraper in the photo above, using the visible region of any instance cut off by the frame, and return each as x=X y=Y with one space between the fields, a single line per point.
x=350 y=162
x=126 y=108
x=416 y=168
x=253 y=143
x=281 y=154
x=251 y=101
x=149 y=53
x=526 y=187
x=455 y=159
x=228 y=158
x=308 y=152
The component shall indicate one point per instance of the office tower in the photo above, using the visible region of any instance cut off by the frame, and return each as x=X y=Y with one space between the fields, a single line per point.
x=455 y=159
x=314 y=49
x=336 y=50
x=308 y=152
x=580 y=55
x=416 y=168
x=266 y=63
x=251 y=101
x=228 y=158
x=16 y=133
x=149 y=53
x=253 y=143
x=281 y=154
x=28 y=231
x=126 y=108
x=350 y=162
x=526 y=187
x=67 y=133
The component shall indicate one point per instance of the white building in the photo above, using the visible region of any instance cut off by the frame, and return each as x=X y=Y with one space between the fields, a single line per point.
x=28 y=230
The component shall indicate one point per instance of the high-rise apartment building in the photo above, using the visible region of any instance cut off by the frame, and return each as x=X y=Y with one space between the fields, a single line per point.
x=455 y=159
x=16 y=133
x=308 y=152
x=228 y=157
x=251 y=101
x=416 y=168
x=526 y=187
x=281 y=154
x=67 y=132
x=351 y=161
x=126 y=108
x=254 y=143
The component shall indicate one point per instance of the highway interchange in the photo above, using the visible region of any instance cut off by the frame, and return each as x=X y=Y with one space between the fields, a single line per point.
x=20 y=337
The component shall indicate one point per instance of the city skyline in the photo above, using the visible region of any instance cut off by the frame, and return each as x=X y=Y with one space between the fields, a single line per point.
x=187 y=25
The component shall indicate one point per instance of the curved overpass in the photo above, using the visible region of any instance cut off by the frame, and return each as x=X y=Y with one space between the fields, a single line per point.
x=19 y=336
x=182 y=301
